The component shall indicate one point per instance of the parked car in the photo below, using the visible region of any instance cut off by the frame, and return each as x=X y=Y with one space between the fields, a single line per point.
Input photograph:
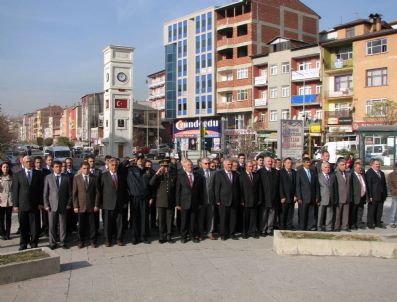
x=264 y=154
x=380 y=152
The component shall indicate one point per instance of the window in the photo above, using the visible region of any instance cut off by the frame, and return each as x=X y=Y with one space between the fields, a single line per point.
x=209 y=104
x=285 y=114
x=180 y=30
x=305 y=90
x=342 y=107
x=209 y=83
x=203 y=43
x=285 y=68
x=242 y=51
x=285 y=91
x=209 y=21
x=169 y=33
x=197 y=64
x=305 y=65
x=184 y=67
x=242 y=30
x=377 y=77
x=376 y=46
x=318 y=64
x=197 y=104
x=209 y=60
x=197 y=24
x=350 y=32
x=174 y=31
x=184 y=48
x=239 y=122
x=184 y=106
x=184 y=85
x=179 y=87
x=209 y=41
x=203 y=83
x=203 y=102
x=120 y=123
x=197 y=84
x=242 y=73
x=179 y=68
x=229 y=97
x=264 y=94
x=263 y=117
x=273 y=116
x=343 y=82
x=185 y=29
x=376 y=108
x=203 y=23
x=179 y=49
x=273 y=70
x=319 y=114
x=318 y=89
x=273 y=93
x=229 y=76
x=345 y=53
x=197 y=44
x=203 y=61
x=242 y=95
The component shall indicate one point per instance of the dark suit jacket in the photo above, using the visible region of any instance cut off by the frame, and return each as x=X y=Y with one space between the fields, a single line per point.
x=54 y=198
x=226 y=193
x=85 y=199
x=109 y=197
x=189 y=197
x=307 y=191
x=249 y=189
x=377 y=188
x=209 y=186
x=27 y=197
x=164 y=190
x=270 y=187
x=355 y=189
x=287 y=185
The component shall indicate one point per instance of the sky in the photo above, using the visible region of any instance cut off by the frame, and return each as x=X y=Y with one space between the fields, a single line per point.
x=51 y=50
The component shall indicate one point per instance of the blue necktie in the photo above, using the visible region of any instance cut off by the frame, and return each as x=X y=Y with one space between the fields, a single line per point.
x=29 y=177
x=309 y=176
x=57 y=180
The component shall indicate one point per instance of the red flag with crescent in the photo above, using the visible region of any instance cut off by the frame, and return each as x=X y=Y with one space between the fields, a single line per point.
x=121 y=103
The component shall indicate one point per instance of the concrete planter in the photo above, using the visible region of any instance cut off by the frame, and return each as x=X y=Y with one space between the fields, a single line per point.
x=19 y=271
x=383 y=248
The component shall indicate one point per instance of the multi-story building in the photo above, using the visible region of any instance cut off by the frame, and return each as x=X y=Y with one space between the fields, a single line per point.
x=189 y=66
x=156 y=83
x=358 y=59
x=64 y=123
x=286 y=84
x=246 y=29
x=91 y=107
x=42 y=117
x=27 y=127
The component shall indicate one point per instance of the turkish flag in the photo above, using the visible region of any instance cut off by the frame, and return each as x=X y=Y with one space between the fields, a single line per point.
x=120 y=103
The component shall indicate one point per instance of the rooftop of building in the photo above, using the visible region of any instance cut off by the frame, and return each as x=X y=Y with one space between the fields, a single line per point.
x=371 y=35
x=156 y=74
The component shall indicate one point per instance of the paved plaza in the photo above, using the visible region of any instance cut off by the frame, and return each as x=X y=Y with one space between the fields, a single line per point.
x=243 y=270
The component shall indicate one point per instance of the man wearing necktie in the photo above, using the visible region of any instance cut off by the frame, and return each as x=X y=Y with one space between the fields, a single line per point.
x=269 y=197
x=86 y=204
x=377 y=194
x=27 y=197
x=307 y=192
x=57 y=200
x=112 y=198
x=69 y=171
x=189 y=191
x=359 y=195
x=287 y=195
x=328 y=198
x=227 y=197
x=344 y=197
x=249 y=186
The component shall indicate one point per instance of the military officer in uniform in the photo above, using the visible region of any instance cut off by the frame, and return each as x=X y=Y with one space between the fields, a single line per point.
x=163 y=182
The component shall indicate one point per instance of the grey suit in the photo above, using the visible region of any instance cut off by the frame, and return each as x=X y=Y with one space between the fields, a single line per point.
x=344 y=197
x=327 y=200
x=57 y=199
x=206 y=215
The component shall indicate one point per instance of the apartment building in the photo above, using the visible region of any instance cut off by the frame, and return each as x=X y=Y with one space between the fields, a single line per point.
x=41 y=120
x=358 y=59
x=156 y=83
x=91 y=107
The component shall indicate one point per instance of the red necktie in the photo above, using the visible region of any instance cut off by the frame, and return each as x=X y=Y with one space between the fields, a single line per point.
x=114 y=180
x=190 y=180
x=250 y=175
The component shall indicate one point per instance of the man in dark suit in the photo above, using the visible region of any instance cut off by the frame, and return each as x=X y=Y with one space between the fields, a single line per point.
x=343 y=197
x=287 y=195
x=307 y=192
x=359 y=195
x=69 y=171
x=112 y=198
x=207 y=211
x=189 y=190
x=249 y=187
x=269 y=197
x=328 y=197
x=377 y=194
x=27 y=197
x=324 y=159
x=57 y=197
x=97 y=172
x=227 y=197
x=241 y=162
x=163 y=184
x=18 y=166
x=85 y=204
x=106 y=166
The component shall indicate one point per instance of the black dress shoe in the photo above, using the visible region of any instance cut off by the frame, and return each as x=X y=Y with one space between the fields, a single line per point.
x=234 y=237
x=256 y=236
x=183 y=240
x=53 y=246
x=170 y=240
x=134 y=242
x=245 y=236
x=146 y=241
x=381 y=226
x=196 y=240
x=223 y=238
x=313 y=229
x=33 y=245
x=161 y=241
x=22 y=247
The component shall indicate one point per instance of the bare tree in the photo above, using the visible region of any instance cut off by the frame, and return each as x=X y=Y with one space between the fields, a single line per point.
x=384 y=112
x=6 y=136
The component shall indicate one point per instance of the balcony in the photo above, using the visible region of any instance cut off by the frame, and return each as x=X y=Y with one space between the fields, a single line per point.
x=338 y=66
x=343 y=93
x=157 y=84
x=261 y=81
x=308 y=74
x=308 y=99
x=260 y=102
x=339 y=117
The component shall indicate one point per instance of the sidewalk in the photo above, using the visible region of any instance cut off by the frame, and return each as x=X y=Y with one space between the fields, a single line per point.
x=243 y=270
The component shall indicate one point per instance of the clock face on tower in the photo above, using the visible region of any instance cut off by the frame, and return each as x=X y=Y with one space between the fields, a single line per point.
x=122 y=77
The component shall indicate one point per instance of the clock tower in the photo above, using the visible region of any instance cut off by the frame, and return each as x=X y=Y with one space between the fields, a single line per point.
x=118 y=101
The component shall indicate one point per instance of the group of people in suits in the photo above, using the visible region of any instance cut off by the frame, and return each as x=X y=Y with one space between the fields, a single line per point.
x=218 y=198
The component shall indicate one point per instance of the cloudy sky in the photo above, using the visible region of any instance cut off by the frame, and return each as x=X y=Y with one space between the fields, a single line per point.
x=51 y=50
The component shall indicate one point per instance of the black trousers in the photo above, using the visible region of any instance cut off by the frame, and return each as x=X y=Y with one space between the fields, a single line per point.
x=206 y=220
x=30 y=227
x=227 y=217
x=165 y=222
x=113 y=224
x=249 y=220
x=287 y=215
x=87 y=225
x=71 y=221
x=189 y=222
x=139 y=215
x=44 y=221
x=153 y=214
x=307 y=214
x=375 y=212
x=354 y=215
x=5 y=221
